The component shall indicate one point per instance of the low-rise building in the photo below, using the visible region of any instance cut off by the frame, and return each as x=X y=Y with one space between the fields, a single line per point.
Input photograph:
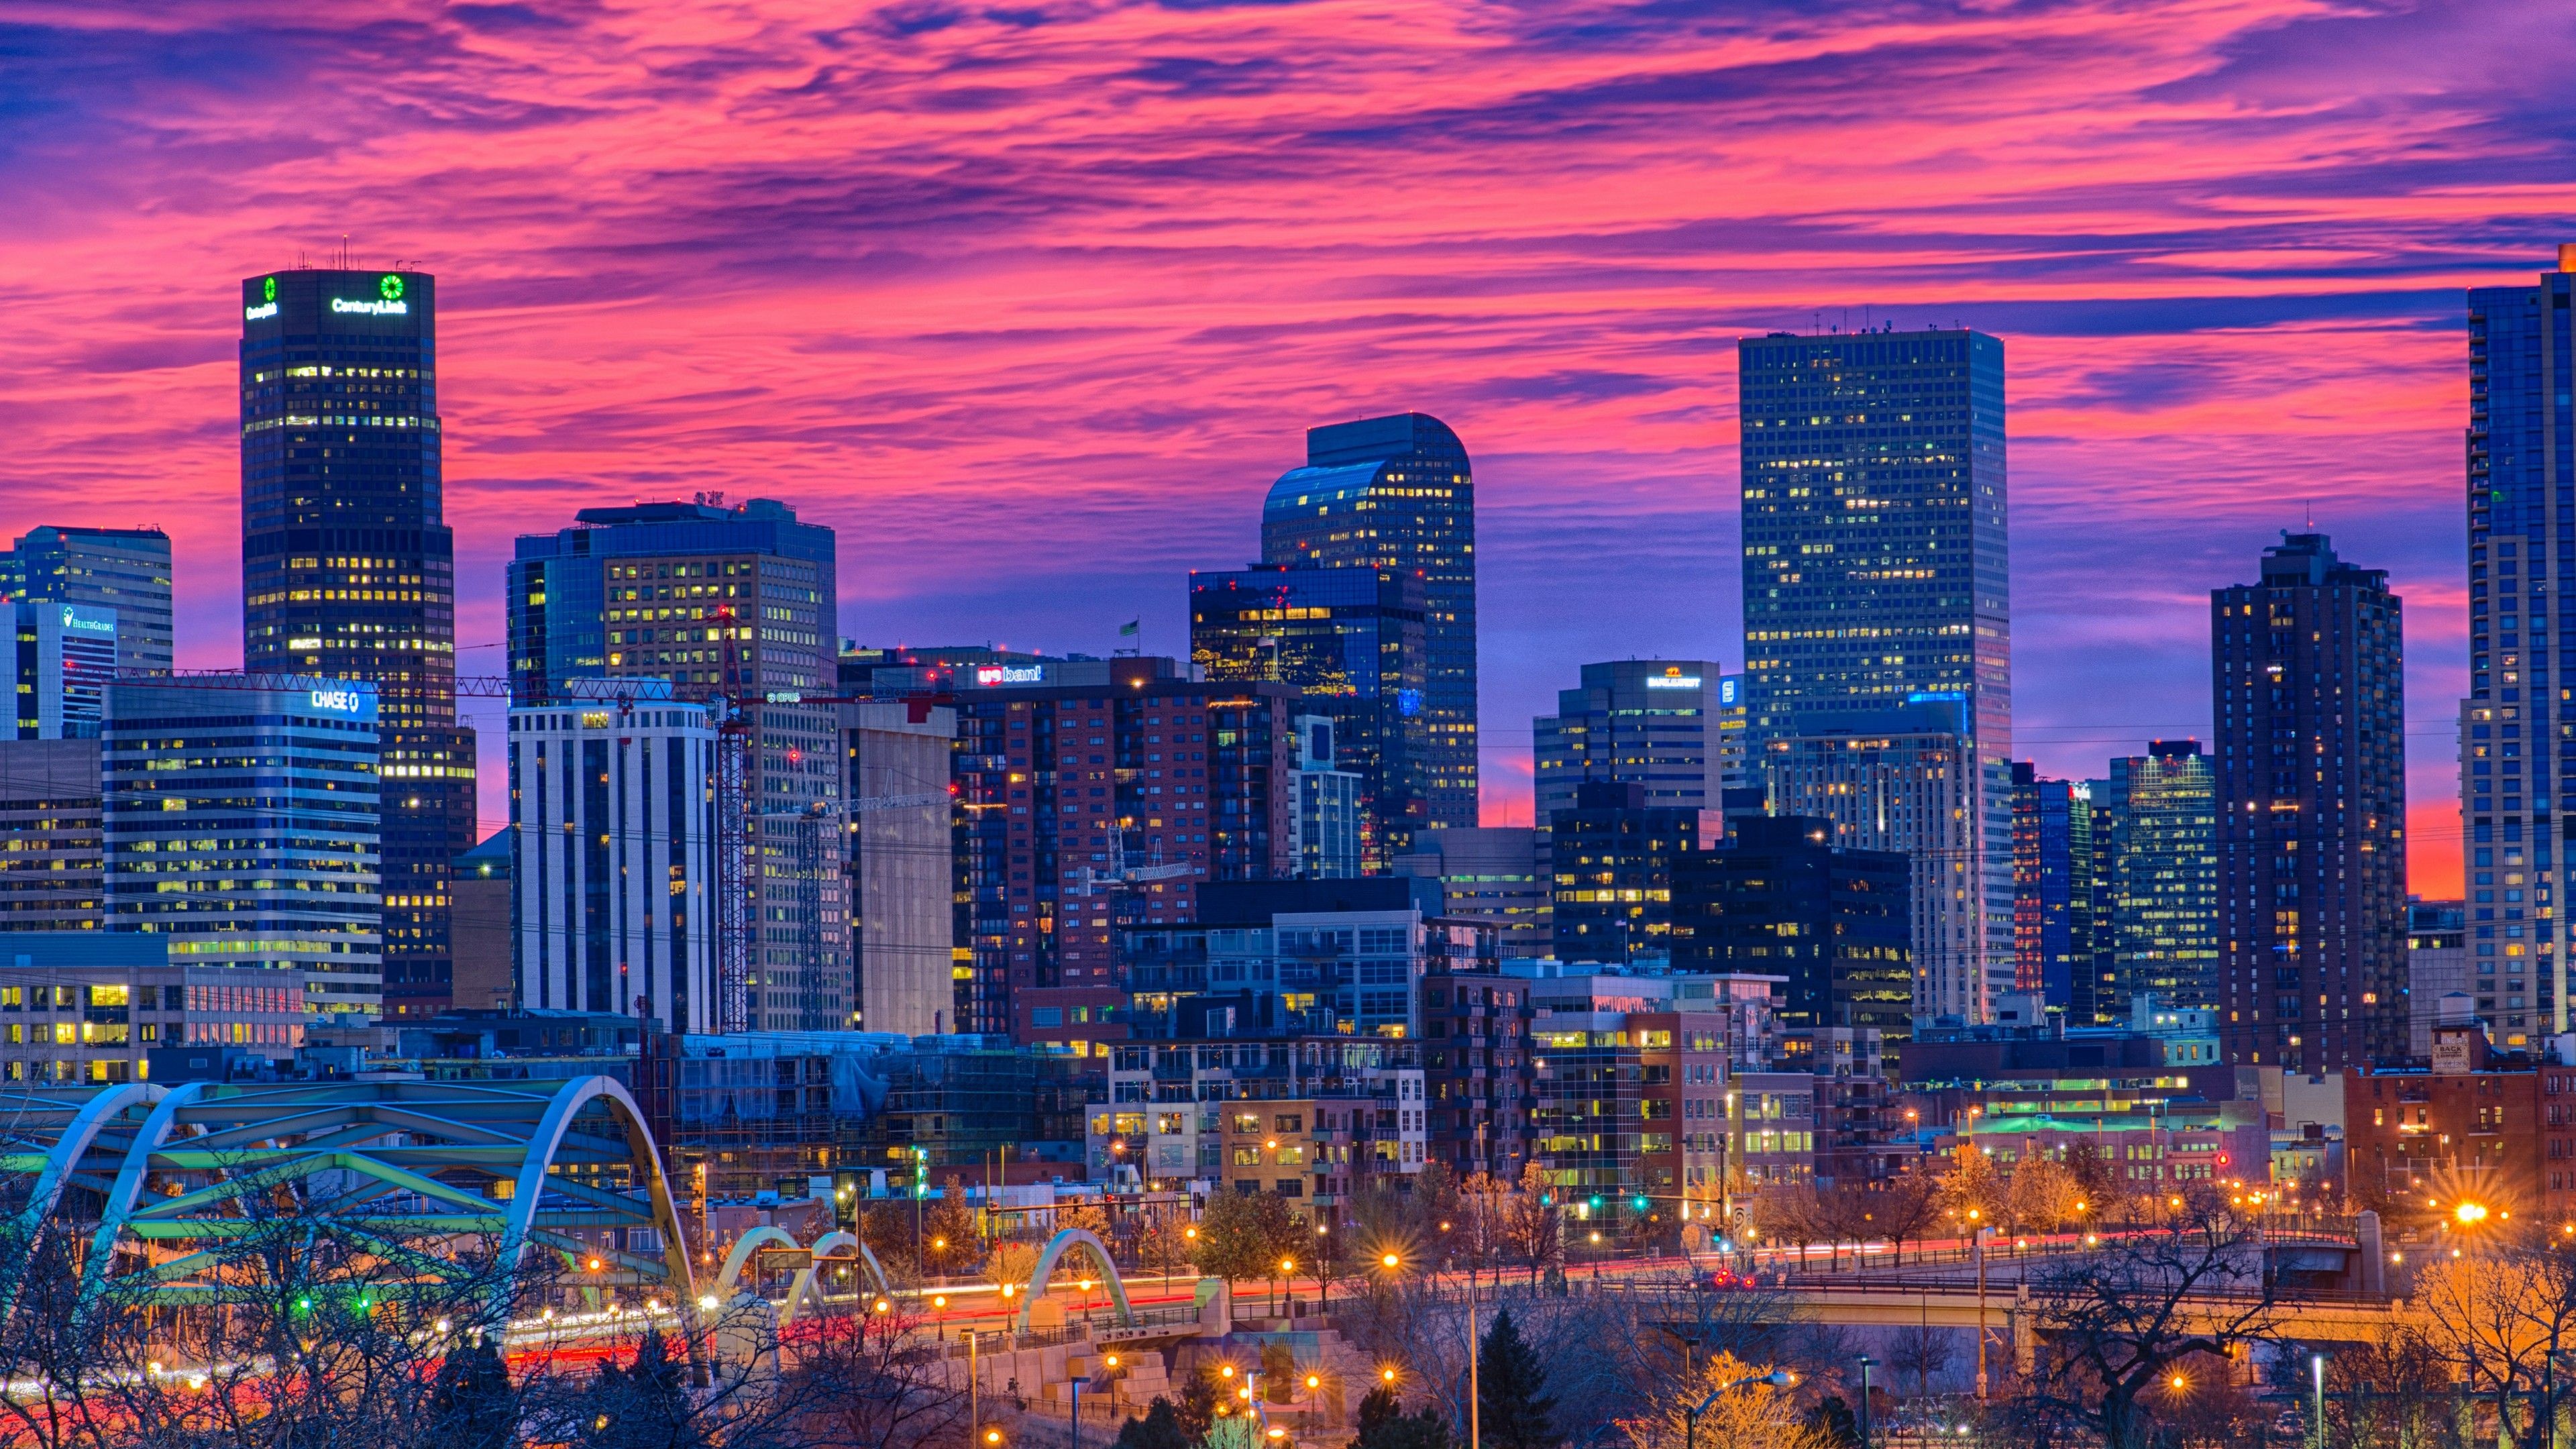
x=92 y=1006
x=1171 y=1114
x=2470 y=1124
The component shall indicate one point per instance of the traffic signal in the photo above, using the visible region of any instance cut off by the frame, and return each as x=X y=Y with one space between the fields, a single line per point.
x=1639 y=1202
x=1596 y=1202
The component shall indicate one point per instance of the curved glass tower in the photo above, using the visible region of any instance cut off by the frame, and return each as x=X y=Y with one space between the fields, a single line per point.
x=1398 y=493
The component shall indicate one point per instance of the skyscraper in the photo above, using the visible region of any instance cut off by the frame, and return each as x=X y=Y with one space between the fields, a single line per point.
x=62 y=659
x=1652 y=721
x=1875 y=570
x=737 y=603
x=282 y=874
x=124 y=569
x=2053 y=898
x=1900 y=780
x=2308 y=671
x=1779 y=899
x=1353 y=639
x=2164 y=879
x=2521 y=458
x=1397 y=493
x=348 y=569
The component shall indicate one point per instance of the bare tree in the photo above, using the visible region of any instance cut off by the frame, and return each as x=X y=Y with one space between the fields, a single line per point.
x=1534 y=1229
x=1922 y=1351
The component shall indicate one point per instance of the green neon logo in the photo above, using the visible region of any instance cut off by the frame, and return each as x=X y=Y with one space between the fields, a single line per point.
x=268 y=290
x=391 y=288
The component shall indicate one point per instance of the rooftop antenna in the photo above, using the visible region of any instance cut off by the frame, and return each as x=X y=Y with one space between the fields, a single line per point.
x=2310 y=506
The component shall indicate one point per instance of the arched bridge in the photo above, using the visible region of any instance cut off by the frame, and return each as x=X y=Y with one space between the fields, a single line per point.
x=159 y=1187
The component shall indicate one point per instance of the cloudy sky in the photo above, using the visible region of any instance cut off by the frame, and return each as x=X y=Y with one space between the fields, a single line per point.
x=1031 y=299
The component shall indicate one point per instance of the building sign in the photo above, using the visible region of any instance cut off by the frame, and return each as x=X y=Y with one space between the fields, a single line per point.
x=341 y=701
x=988 y=676
x=1729 y=690
x=267 y=301
x=2452 y=1053
x=87 y=623
x=1672 y=681
x=372 y=309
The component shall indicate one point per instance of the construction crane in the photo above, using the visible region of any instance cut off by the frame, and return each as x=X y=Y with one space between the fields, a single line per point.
x=1123 y=876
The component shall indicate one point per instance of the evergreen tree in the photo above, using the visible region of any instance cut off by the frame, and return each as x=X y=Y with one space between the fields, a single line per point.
x=1385 y=1425
x=475 y=1404
x=1512 y=1399
x=1159 y=1429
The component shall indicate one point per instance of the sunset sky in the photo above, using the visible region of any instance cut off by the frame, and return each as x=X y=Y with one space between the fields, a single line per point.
x=1032 y=300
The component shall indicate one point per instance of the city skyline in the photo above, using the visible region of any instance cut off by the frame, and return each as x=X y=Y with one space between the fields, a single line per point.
x=2155 y=292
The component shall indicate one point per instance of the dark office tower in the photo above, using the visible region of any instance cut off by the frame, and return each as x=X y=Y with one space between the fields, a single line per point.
x=2522 y=550
x=724 y=602
x=1779 y=898
x=2308 y=671
x=2164 y=881
x=1613 y=857
x=1874 y=555
x=348 y=569
x=1654 y=721
x=1353 y=639
x=1396 y=493
x=125 y=569
x=2052 y=887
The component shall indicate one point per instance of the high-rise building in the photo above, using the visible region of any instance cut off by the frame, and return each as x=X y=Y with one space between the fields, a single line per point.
x=1875 y=571
x=348 y=568
x=1496 y=876
x=1353 y=640
x=53 y=863
x=901 y=823
x=286 y=877
x=2053 y=901
x=1613 y=857
x=2308 y=669
x=2164 y=885
x=1651 y=721
x=613 y=802
x=1778 y=898
x=2521 y=463
x=732 y=603
x=62 y=660
x=126 y=570
x=1396 y=493
x=1328 y=805
x=1732 y=771
x=1094 y=797
x=1904 y=780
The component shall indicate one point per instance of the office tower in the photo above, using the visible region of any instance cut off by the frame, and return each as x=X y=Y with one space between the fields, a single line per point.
x=124 y=570
x=2522 y=550
x=1653 y=721
x=1779 y=898
x=2437 y=965
x=1495 y=876
x=732 y=603
x=2164 y=907
x=481 y=929
x=1293 y=957
x=287 y=878
x=53 y=862
x=1094 y=798
x=1732 y=772
x=2052 y=888
x=348 y=568
x=1612 y=857
x=1875 y=566
x=614 y=865
x=901 y=947
x=1901 y=780
x=2307 y=671
x=1397 y=494
x=2097 y=999
x=1353 y=640
x=63 y=657
x=1328 y=805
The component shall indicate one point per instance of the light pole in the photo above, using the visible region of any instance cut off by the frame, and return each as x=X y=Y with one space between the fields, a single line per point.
x=2317 y=1365
x=1777 y=1378
x=1865 y=1364
x=1981 y=1308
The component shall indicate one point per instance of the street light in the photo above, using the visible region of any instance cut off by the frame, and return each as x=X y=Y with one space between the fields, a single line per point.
x=1777 y=1378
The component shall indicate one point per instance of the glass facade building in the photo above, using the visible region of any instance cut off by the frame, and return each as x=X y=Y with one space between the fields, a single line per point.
x=1653 y=722
x=126 y=570
x=734 y=603
x=2309 y=679
x=1875 y=565
x=1354 y=641
x=2514 y=756
x=348 y=567
x=2164 y=880
x=2054 y=905
x=241 y=821
x=1397 y=494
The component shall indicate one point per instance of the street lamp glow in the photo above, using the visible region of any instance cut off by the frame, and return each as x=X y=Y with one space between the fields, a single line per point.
x=2470 y=1214
x=1390 y=1260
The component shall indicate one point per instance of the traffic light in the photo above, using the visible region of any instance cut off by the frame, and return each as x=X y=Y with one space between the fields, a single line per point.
x=1639 y=1202
x=1596 y=1202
